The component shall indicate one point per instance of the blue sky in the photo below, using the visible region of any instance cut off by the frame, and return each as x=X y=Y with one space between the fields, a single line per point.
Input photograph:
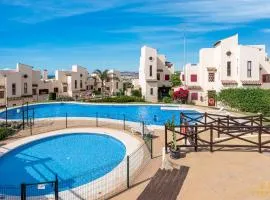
x=54 y=34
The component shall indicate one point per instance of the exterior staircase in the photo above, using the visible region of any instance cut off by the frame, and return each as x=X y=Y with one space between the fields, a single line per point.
x=166 y=184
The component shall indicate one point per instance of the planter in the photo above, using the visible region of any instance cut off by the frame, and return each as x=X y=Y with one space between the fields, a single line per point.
x=175 y=154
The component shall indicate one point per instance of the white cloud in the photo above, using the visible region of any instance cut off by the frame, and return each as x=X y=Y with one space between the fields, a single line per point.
x=220 y=11
x=42 y=10
x=187 y=28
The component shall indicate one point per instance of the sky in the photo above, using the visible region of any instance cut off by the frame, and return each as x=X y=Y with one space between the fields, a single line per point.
x=55 y=34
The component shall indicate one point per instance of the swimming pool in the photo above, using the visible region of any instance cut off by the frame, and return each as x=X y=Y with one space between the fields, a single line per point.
x=76 y=158
x=150 y=114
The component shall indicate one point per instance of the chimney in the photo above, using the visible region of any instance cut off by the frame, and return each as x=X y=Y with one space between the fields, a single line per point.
x=45 y=74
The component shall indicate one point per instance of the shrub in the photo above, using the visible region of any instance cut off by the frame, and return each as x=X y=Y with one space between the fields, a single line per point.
x=52 y=96
x=247 y=100
x=119 y=99
x=5 y=132
x=136 y=93
x=64 y=98
x=167 y=100
x=181 y=95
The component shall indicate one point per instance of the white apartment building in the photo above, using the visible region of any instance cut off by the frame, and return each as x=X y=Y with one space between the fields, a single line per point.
x=154 y=74
x=24 y=84
x=112 y=85
x=227 y=64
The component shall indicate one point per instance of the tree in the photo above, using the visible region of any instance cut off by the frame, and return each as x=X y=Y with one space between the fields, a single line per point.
x=103 y=75
x=175 y=79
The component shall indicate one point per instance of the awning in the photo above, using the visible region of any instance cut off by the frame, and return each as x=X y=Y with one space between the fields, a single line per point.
x=229 y=82
x=250 y=82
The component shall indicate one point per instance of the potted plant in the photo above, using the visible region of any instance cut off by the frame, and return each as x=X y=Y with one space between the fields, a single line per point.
x=174 y=149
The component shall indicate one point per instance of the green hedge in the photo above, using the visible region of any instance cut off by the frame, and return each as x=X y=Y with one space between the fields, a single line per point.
x=5 y=132
x=253 y=100
x=119 y=99
x=167 y=100
x=64 y=98
x=52 y=96
x=136 y=93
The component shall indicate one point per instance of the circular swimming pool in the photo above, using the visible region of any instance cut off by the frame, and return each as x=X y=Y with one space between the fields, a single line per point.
x=76 y=159
x=150 y=114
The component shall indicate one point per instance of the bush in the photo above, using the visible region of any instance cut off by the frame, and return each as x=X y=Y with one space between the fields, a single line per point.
x=119 y=99
x=167 y=100
x=64 y=98
x=247 y=100
x=5 y=132
x=136 y=93
x=52 y=96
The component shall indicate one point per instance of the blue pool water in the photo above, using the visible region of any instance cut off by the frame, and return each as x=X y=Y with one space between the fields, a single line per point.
x=76 y=158
x=150 y=114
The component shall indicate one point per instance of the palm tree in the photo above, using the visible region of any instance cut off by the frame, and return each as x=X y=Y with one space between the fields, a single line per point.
x=103 y=75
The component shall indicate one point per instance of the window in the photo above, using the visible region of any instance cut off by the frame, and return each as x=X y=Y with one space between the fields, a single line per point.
x=99 y=89
x=229 y=68
x=55 y=90
x=34 y=91
x=75 y=84
x=266 y=78
x=43 y=91
x=151 y=91
x=107 y=88
x=249 y=66
x=91 y=87
x=117 y=84
x=2 y=94
x=183 y=77
x=211 y=77
x=80 y=83
x=25 y=88
x=167 y=77
x=193 y=77
x=194 y=96
x=13 y=88
x=151 y=58
x=65 y=89
x=158 y=76
x=150 y=70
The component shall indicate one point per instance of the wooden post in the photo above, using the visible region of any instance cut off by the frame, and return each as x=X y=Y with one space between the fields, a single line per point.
x=205 y=120
x=166 y=134
x=228 y=123
x=252 y=124
x=211 y=138
x=181 y=118
x=218 y=127
x=260 y=134
x=196 y=138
